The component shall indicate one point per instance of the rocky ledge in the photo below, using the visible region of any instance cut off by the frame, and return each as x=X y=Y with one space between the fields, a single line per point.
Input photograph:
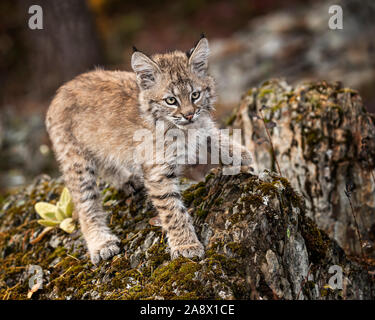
x=259 y=245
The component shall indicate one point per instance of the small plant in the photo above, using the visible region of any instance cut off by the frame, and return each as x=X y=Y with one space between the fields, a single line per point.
x=267 y=125
x=57 y=215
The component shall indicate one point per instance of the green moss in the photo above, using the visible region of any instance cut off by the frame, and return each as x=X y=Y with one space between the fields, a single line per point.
x=188 y=197
x=201 y=213
x=265 y=92
x=276 y=107
x=235 y=218
x=236 y=248
x=267 y=189
x=195 y=194
x=317 y=242
x=230 y=266
x=218 y=261
x=178 y=273
x=209 y=177
x=199 y=192
x=157 y=255
x=315 y=102
x=293 y=196
x=59 y=252
x=72 y=271
x=253 y=199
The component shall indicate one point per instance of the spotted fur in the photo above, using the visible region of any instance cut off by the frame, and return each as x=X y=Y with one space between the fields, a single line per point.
x=91 y=122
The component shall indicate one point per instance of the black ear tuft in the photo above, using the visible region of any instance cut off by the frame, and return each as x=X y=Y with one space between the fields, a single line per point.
x=189 y=52
x=135 y=49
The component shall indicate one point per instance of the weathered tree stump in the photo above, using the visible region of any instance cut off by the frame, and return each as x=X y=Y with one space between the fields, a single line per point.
x=324 y=142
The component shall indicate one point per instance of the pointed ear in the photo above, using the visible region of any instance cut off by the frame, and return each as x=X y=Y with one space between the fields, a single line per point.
x=146 y=69
x=198 y=60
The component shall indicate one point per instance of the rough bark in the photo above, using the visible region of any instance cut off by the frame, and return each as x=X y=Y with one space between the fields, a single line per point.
x=259 y=245
x=324 y=143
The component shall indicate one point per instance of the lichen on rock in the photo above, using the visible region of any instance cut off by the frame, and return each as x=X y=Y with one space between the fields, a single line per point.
x=255 y=249
x=323 y=139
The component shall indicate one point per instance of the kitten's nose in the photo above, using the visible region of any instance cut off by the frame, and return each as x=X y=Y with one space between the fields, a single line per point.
x=189 y=116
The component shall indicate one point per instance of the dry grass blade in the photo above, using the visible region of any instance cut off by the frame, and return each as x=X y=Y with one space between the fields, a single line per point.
x=42 y=234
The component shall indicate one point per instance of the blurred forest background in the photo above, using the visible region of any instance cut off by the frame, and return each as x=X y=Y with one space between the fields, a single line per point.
x=251 y=41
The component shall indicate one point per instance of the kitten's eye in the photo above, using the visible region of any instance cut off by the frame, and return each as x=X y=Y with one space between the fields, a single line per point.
x=171 y=100
x=195 y=95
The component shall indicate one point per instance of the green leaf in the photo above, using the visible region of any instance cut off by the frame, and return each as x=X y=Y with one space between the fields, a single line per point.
x=288 y=233
x=48 y=223
x=68 y=225
x=69 y=209
x=46 y=210
x=65 y=197
x=60 y=213
x=65 y=203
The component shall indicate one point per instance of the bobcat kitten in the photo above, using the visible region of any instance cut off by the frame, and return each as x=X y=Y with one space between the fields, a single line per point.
x=92 y=120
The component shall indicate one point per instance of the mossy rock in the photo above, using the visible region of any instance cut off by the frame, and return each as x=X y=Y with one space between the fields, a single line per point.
x=323 y=140
x=259 y=244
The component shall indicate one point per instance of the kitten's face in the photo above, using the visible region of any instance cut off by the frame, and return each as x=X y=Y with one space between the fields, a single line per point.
x=175 y=86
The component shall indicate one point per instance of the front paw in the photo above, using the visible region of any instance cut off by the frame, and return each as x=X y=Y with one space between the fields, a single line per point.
x=194 y=249
x=103 y=246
